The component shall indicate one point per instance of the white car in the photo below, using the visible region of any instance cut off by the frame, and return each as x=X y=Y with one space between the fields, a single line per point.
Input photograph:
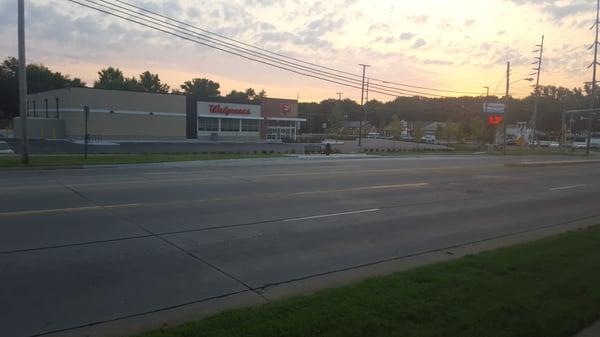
x=429 y=139
x=554 y=144
x=5 y=149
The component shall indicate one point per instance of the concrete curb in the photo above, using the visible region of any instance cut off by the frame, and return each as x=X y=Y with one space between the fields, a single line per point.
x=44 y=168
x=553 y=163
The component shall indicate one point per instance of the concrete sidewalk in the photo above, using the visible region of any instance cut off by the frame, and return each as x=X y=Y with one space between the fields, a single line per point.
x=592 y=331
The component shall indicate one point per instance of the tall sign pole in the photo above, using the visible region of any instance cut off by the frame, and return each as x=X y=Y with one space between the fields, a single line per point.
x=506 y=105
x=23 y=83
x=537 y=93
x=593 y=102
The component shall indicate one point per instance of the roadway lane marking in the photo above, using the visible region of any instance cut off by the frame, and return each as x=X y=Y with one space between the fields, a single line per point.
x=366 y=188
x=567 y=187
x=65 y=210
x=196 y=201
x=118 y=183
x=333 y=214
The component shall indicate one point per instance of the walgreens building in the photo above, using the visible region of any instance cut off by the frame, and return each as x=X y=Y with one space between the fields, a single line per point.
x=129 y=115
x=272 y=119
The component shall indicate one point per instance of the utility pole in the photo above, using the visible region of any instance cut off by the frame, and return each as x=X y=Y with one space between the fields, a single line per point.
x=362 y=103
x=593 y=102
x=487 y=97
x=506 y=105
x=538 y=70
x=339 y=95
x=23 y=83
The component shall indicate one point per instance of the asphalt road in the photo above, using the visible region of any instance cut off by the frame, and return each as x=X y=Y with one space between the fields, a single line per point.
x=83 y=247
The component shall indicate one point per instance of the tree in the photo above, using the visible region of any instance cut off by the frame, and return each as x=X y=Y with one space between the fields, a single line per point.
x=39 y=78
x=238 y=96
x=395 y=126
x=478 y=130
x=149 y=82
x=113 y=78
x=336 y=119
x=201 y=88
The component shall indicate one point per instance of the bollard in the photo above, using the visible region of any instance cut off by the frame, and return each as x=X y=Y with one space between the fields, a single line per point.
x=53 y=133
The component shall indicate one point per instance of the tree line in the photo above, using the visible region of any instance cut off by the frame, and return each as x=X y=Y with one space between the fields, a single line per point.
x=465 y=111
x=40 y=78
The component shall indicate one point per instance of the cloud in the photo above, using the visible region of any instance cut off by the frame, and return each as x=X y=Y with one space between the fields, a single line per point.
x=418 y=18
x=559 y=10
x=419 y=43
x=407 y=36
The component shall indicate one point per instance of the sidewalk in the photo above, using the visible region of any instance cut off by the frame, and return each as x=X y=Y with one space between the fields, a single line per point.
x=592 y=331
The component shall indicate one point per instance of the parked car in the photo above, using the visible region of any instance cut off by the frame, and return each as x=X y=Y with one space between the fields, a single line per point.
x=429 y=139
x=5 y=149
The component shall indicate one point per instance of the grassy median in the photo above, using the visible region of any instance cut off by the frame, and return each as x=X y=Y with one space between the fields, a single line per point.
x=547 y=288
x=79 y=160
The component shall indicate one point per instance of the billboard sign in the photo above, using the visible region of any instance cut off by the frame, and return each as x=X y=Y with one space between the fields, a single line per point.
x=495 y=119
x=493 y=108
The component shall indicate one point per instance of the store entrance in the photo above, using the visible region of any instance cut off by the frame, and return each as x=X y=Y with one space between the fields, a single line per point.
x=281 y=133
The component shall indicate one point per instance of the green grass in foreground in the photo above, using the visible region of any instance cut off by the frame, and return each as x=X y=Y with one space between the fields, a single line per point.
x=77 y=160
x=548 y=288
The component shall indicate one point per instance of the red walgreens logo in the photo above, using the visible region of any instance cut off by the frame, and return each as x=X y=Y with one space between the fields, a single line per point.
x=286 y=108
x=218 y=109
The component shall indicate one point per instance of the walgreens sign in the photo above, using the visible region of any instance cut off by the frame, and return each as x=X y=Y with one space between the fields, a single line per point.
x=227 y=109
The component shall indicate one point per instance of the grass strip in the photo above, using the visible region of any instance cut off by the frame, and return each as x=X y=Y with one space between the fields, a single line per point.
x=546 y=288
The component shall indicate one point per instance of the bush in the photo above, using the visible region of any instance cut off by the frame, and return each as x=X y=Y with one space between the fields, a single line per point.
x=293 y=151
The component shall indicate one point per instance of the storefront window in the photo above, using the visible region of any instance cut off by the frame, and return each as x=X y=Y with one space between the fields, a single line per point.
x=250 y=125
x=208 y=124
x=230 y=124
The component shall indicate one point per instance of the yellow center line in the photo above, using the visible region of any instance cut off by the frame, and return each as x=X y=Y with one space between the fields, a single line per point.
x=196 y=201
x=279 y=175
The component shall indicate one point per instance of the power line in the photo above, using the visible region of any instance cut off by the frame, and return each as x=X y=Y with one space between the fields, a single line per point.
x=183 y=30
x=271 y=58
x=286 y=56
x=228 y=51
x=210 y=42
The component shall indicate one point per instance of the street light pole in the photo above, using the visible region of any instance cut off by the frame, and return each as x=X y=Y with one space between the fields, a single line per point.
x=362 y=103
x=506 y=106
x=23 y=83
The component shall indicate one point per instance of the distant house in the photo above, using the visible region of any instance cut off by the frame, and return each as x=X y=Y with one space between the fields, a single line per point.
x=434 y=127
x=351 y=125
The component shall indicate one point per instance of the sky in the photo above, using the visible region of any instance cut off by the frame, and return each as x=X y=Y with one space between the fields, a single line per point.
x=460 y=45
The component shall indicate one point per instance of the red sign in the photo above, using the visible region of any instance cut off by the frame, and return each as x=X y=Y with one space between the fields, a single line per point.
x=285 y=108
x=218 y=109
x=495 y=119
